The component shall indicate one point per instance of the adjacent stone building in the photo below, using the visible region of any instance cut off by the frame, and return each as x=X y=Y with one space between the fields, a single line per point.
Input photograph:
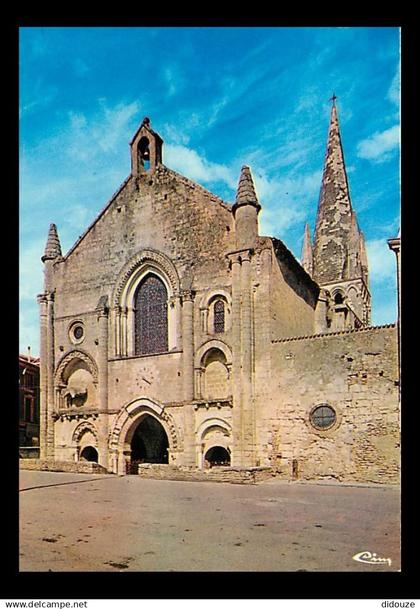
x=173 y=332
x=28 y=403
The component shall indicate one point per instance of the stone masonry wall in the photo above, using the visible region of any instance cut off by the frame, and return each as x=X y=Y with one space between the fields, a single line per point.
x=293 y=295
x=81 y=467
x=234 y=475
x=356 y=373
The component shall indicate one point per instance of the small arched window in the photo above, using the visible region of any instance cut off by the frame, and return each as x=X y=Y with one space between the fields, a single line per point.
x=151 y=316
x=219 y=316
x=338 y=298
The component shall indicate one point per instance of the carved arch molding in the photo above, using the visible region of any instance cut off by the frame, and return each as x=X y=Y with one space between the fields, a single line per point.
x=132 y=413
x=76 y=354
x=83 y=428
x=141 y=258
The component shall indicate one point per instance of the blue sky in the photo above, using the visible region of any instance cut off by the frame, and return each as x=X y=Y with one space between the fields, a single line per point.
x=220 y=98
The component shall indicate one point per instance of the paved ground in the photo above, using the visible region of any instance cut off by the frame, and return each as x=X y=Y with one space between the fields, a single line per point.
x=81 y=522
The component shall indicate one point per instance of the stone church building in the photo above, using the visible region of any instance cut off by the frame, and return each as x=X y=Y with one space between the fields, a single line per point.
x=172 y=332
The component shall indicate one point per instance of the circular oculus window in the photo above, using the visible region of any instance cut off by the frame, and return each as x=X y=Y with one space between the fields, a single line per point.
x=323 y=417
x=77 y=332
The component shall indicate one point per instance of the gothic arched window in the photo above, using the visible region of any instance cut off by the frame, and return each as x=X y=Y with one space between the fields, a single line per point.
x=151 y=316
x=219 y=316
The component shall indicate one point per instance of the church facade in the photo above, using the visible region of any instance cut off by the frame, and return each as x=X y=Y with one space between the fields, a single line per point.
x=172 y=332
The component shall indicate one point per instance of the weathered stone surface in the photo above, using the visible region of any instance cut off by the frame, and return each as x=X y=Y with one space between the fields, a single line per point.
x=245 y=387
x=81 y=467
x=234 y=475
x=338 y=254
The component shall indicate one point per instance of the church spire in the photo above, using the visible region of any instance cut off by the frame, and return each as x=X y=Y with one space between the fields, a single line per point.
x=334 y=218
x=339 y=257
x=53 y=246
x=307 y=251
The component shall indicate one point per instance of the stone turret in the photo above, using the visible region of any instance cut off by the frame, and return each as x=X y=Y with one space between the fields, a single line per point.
x=51 y=254
x=53 y=246
x=307 y=259
x=245 y=211
x=339 y=254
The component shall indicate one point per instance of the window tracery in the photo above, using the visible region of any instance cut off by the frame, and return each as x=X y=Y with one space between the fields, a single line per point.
x=151 y=316
x=219 y=317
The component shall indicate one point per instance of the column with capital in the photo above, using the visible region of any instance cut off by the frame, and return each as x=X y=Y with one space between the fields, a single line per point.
x=103 y=387
x=50 y=375
x=43 y=376
x=117 y=329
x=236 y=360
x=188 y=375
x=248 y=424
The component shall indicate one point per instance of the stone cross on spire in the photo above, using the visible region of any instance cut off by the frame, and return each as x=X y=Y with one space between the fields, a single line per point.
x=333 y=98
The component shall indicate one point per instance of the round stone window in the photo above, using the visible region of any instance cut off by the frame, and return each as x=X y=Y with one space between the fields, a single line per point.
x=77 y=332
x=323 y=417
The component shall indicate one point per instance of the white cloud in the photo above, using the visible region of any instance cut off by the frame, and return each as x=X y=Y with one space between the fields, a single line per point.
x=382 y=263
x=188 y=162
x=84 y=139
x=285 y=200
x=380 y=145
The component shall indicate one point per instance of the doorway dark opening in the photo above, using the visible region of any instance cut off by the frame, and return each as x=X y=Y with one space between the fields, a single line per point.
x=149 y=444
x=217 y=455
x=89 y=454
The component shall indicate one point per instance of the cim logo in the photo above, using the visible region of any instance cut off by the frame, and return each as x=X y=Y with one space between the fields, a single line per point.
x=370 y=558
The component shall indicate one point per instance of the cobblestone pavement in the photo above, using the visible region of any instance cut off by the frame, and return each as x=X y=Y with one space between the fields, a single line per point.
x=81 y=522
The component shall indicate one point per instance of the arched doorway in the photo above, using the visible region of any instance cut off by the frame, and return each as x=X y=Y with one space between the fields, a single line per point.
x=149 y=443
x=217 y=456
x=89 y=453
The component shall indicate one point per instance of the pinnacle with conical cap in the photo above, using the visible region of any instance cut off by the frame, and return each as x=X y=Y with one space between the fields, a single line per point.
x=53 y=247
x=245 y=211
x=306 y=257
x=333 y=241
x=246 y=195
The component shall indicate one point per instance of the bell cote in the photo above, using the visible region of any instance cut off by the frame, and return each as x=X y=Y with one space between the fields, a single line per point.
x=146 y=149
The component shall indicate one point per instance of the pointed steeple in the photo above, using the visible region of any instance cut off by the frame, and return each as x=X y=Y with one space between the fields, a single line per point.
x=246 y=195
x=307 y=251
x=53 y=247
x=334 y=217
x=339 y=256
